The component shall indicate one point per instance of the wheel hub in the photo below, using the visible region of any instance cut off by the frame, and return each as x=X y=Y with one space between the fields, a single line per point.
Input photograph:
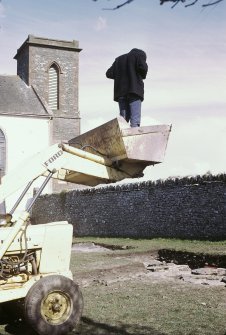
x=56 y=307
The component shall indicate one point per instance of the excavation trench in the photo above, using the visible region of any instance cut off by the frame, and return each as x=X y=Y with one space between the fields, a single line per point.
x=193 y=260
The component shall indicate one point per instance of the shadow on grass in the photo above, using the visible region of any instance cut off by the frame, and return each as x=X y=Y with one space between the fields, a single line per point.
x=89 y=326
x=86 y=327
x=12 y=325
x=18 y=328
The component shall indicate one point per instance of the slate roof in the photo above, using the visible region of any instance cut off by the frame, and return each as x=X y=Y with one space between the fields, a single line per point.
x=16 y=98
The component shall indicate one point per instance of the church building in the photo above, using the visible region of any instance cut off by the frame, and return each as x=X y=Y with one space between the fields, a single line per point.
x=39 y=105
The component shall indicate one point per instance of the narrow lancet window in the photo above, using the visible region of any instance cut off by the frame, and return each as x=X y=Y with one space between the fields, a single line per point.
x=53 y=87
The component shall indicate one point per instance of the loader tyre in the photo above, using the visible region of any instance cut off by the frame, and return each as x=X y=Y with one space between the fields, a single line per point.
x=53 y=305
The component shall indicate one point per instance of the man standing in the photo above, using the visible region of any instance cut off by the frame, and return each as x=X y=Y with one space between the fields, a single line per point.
x=128 y=72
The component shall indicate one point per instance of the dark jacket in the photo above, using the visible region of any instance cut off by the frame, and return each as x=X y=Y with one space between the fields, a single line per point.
x=128 y=72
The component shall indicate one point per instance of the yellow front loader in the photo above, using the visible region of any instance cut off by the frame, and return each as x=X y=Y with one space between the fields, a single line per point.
x=36 y=283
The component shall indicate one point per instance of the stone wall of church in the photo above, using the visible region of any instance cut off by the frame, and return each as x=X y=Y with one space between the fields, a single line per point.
x=23 y=66
x=34 y=59
x=40 y=61
x=66 y=121
x=188 y=208
x=64 y=129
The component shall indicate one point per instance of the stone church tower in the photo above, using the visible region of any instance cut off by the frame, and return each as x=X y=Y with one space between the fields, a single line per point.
x=51 y=68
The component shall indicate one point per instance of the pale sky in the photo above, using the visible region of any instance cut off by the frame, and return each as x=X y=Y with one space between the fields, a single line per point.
x=186 y=54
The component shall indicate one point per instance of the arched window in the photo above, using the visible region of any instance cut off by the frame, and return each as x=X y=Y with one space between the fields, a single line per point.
x=54 y=87
x=2 y=154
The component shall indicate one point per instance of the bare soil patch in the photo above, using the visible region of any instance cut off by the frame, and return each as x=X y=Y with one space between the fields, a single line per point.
x=163 y=264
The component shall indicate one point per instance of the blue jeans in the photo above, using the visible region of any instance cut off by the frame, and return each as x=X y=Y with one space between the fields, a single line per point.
x=130 y=110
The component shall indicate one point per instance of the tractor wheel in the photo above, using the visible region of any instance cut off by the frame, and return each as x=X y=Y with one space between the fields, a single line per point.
x=53 y=305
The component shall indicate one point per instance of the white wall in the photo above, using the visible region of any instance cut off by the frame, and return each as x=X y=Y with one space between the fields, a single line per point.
x=24 y=137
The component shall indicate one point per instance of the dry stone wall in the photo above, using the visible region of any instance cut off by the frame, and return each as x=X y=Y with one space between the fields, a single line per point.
x=189 y=208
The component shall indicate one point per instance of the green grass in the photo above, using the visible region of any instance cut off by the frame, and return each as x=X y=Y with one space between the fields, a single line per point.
x=153 y=309
x=139 y=307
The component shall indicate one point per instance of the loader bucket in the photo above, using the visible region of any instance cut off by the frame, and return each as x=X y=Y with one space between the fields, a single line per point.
x=131 y=149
